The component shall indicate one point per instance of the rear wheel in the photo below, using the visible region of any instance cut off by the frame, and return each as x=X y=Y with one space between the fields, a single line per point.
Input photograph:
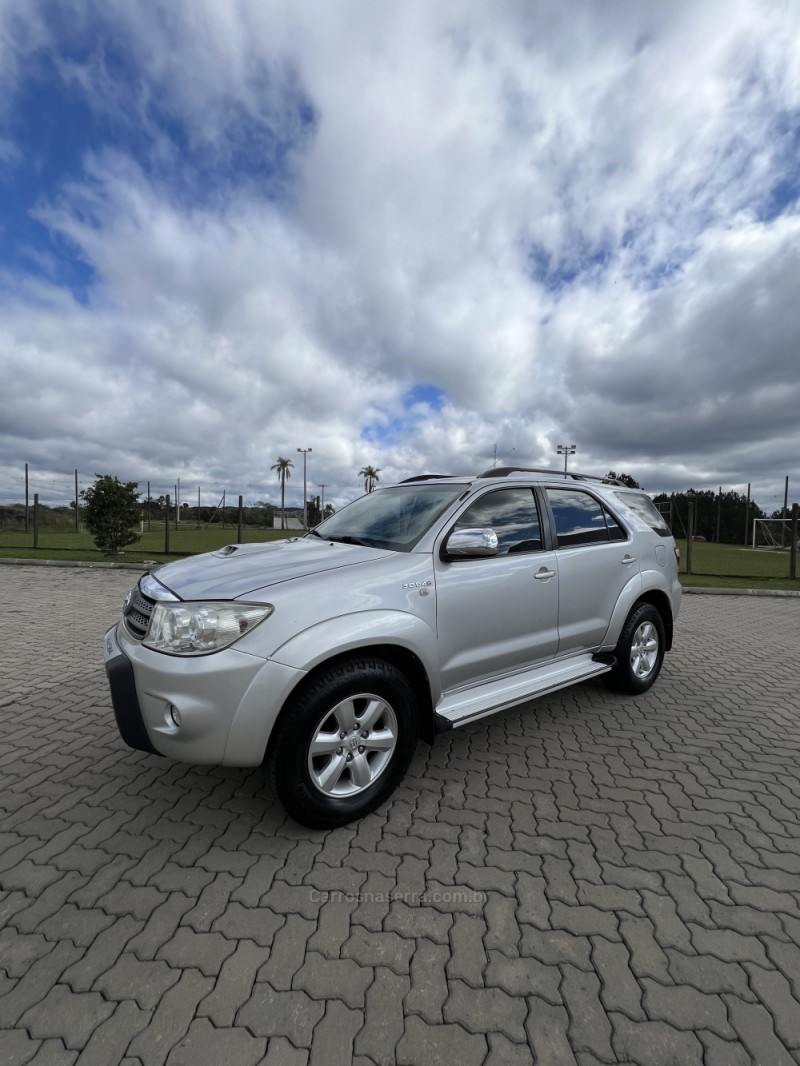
x=640 y=651
x=343 y=742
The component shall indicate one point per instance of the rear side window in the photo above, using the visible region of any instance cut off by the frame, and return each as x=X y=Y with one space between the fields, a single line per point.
x=512 y=514
x=581 y=519
x=644 y=507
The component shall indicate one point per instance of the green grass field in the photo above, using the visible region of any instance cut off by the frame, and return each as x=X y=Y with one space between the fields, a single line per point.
x=80 y=546
x=713 y=565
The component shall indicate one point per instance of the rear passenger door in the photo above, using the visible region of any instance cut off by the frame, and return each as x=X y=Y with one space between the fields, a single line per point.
x=596 y=560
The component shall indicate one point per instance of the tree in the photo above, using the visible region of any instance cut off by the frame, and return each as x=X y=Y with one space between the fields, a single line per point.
x=626 y=479
x=284 y=468
x=111 y=512
x=370 y=476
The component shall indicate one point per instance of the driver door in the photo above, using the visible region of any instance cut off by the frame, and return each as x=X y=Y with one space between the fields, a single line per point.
x=497 y=615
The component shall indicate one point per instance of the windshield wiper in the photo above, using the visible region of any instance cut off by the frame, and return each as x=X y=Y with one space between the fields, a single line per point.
x=313 y=533
x=353 y=540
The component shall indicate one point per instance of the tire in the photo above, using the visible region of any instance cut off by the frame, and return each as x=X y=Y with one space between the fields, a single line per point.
x=343 y=742
x=639 y=652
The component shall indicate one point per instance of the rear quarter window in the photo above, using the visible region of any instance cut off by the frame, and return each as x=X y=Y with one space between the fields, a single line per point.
x=644 y=509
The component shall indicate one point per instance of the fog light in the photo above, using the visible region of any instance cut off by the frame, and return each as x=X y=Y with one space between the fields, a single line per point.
x=175 y=715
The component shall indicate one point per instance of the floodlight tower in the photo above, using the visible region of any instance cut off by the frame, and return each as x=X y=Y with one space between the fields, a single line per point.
x=566 y=450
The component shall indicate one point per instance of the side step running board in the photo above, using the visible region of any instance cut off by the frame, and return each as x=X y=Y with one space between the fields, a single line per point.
x=460 y=708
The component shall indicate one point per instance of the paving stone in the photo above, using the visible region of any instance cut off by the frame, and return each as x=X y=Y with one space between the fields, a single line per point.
x=101 y=955
x=281 y=1053
x=502 y=1052
x=288 y=952
x=203 y=951
x=483 y=1010
x=503 y=929
x=48 y=902
x=18 y=951
x=755 y=1029
x=139 y=902
x=36 y=983
x=270 y=1013
x=67 y=1015
x=248 y=923
x=647 y=956
x=108 y=1042
x=422 y=921
x=234 y=985
x=16 y=1047
x=775 y=993
x=204 y=1045
x=136 y=979
x=589 y=1028
x=686 y=1008
x=728 y=945
x=384 y=1017
x=523 y=977
x=160 y=926
x=619 y=989
x=51 y=1053
x=655 y=1043
x=333 y=979
x=172 y=1018
x=334 y=1035
x=468 y=957
x=556 y=946
x=378 y=949
x=428 y=981
x=547 y=1029
x=439 y=1045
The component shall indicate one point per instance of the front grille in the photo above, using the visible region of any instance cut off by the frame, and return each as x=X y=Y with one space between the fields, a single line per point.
x=136 y=614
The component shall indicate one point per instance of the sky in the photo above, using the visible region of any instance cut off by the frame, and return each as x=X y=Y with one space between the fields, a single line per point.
x=425 y=237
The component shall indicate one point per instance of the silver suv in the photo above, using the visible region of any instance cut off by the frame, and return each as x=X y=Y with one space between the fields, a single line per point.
x=413 y=610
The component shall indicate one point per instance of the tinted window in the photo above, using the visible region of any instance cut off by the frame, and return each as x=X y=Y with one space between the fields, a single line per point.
x=581 y=519
x=512 y=514
x=645 y=509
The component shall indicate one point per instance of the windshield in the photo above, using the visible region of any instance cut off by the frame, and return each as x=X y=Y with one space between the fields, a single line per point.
x=393 y=518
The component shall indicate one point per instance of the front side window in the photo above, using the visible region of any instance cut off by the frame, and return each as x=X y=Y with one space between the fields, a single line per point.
x=581 y=519
x=513 y=516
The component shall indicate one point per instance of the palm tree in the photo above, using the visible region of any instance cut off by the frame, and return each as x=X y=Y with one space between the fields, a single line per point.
x=284 y=468
x=370 y=476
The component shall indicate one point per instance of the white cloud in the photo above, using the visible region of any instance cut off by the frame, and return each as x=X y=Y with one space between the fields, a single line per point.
x=565 y=219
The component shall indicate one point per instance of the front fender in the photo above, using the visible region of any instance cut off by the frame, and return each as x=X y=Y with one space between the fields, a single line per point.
x=361 y=631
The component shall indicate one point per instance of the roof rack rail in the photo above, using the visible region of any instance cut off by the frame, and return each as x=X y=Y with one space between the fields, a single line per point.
x=504 y=471
x=423 y=477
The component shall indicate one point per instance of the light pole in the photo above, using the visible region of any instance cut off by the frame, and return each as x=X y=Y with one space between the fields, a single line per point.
x=566 y=450
x=305 y=452
x=322 y=503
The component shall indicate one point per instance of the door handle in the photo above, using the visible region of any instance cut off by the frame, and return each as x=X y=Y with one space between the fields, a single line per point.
x=544 y=575
x=628 y=559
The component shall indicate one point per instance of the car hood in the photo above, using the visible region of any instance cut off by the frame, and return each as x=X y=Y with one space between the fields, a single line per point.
x=242 y=569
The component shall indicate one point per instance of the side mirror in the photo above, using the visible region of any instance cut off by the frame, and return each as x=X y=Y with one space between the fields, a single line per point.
x=471 y=543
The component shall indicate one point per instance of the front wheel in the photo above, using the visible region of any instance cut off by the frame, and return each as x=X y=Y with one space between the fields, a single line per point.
x=639 y=652
x=343 y=742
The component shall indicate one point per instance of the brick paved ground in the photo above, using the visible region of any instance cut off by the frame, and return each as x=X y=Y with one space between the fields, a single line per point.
x=585 y=880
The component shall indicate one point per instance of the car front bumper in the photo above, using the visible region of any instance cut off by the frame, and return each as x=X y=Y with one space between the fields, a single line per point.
x=214 y=709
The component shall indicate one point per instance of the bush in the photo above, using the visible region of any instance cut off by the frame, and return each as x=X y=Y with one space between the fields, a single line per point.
x=111 y=512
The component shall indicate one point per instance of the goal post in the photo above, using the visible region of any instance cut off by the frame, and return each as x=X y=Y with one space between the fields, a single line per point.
x=772 y=533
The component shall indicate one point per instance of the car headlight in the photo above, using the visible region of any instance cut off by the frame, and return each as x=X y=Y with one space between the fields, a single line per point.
x=201 y=628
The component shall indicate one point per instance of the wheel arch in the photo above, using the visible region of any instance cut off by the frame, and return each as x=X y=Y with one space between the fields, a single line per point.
x=658 y=599
x=402 y=658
